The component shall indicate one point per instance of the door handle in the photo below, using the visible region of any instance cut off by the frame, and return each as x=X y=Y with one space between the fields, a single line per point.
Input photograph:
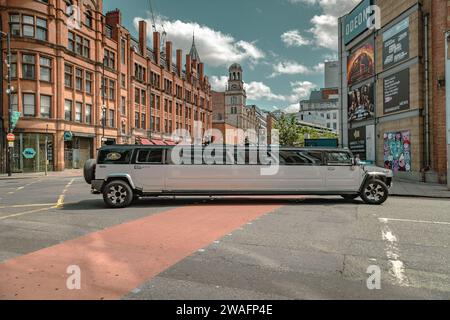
x=331 y=169
x=138 y=167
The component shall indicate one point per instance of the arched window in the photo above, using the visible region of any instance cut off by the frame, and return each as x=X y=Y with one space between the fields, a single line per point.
x=89 y=19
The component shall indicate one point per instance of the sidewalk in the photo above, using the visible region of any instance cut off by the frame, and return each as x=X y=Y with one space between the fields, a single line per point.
x=404 y=188
x=59 y=174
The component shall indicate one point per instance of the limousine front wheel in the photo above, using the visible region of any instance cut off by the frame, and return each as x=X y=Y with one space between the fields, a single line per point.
x=375 y=192
x=118 y=194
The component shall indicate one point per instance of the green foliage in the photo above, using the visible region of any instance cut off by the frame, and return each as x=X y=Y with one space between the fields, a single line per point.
x=293 y=134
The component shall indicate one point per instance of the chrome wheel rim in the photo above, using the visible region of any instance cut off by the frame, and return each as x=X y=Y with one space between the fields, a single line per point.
x=374 y=192
x=117 y=194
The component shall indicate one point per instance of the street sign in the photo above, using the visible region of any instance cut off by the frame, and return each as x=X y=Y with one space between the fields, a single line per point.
x=15 y=116
x=10 y=144
x=10 y=137
x=68 y=136
x=29 y=153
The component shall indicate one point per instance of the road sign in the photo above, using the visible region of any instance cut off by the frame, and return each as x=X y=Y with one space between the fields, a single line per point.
x=11 y=144
x=10 y=137
x=68 y=136
x=15 y=116
x=29 y=153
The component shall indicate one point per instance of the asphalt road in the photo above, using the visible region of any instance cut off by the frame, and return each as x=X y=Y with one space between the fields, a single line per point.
x=220 y=248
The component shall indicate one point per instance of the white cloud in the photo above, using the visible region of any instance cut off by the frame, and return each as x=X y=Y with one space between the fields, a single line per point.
x=293 y=108
x=300 y=90
x=293 y=38
x=325 y=26
x=218 y=83
x=292 y=67
x=260 y=91
x=215 y=48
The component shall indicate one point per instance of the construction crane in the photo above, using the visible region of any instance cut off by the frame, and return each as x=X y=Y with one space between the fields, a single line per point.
x=163 y=33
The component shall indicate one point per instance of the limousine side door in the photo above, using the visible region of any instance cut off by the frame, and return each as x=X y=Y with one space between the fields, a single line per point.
x=341 y=173
x=149 y=170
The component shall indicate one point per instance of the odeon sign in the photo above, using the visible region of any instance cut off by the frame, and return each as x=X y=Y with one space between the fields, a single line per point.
x=364 y=17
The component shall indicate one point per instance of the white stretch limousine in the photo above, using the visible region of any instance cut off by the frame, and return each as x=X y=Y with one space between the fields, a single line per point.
x=123 y=173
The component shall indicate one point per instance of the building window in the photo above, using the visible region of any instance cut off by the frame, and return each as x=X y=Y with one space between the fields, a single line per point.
x=123 y=106
x=143 y=98
x=14 y=65
x=158 y=103
x=88 y=114
x=68 y=110
x=88 y=85
x=89 y=19
x=112 y=119
x=68 y=76
x=86 y=48
x=41 y=29
x=45 y=69
x=137 y=97
x=78 y=79
x=29 y=105
x=109 y=32
x=124 y=128
x=109 y=59
x=78 y=111
x=123 y=51
x=123 y=81
x=136 y=119
x=14 y=24
x=78 y=45
x=112 y=90
x=28 y=66
x=71 y=42
x=139 y=72
x=28 y=26
x=143 y=121
x=14 y=102
x=46 y=106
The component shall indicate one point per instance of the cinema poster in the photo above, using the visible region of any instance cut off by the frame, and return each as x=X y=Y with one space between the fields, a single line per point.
x=361 y=63
x=397 y=151
x=396 y=44
x=396 y=92
x=361 y=103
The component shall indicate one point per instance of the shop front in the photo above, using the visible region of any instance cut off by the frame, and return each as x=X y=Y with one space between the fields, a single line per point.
x=29 y=153
x=78 y=148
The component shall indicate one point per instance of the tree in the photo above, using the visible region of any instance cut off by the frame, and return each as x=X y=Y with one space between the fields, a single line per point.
x=289 y=131
x=292 y=134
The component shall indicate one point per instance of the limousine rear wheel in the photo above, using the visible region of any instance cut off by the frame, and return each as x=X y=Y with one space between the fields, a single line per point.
x=118 y=194
x=375 y=192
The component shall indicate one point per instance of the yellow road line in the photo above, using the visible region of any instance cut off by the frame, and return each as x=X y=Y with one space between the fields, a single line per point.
x=17 y=206
x=61 y=198
x=25 y=213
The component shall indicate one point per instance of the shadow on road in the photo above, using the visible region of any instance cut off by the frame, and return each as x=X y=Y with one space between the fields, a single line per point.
x=170 y=202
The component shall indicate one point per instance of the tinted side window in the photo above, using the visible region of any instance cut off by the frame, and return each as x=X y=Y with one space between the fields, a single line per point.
x=300 y=158
x=339 y=158
x=115 y=156
x=150 y=156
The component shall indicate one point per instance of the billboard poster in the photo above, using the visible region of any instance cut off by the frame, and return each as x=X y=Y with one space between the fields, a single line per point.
x=361 y=63
x=397 y=151
x=396 y=44
x=355 y=22
x=396 y=92
x=357 y=142
x=361 y=103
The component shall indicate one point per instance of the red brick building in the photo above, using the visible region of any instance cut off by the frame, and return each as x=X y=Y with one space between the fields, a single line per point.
x=64 y=70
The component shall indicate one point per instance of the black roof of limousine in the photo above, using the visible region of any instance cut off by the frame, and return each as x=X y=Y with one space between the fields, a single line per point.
x=128 y=146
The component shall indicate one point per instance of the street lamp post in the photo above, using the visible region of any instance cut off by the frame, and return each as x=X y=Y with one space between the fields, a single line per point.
x=103 y=102
x=9 y=91
x=447 y=94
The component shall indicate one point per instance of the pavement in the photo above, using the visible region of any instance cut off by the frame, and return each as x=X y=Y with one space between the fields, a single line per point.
x=52 y=228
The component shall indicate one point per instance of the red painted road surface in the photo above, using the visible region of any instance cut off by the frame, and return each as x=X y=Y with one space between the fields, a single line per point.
x=119 y=259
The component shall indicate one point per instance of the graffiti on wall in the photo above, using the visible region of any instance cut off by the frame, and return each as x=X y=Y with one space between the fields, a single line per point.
x=397 y=151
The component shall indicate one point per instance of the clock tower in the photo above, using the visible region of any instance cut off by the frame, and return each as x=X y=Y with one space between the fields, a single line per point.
x=235 y=96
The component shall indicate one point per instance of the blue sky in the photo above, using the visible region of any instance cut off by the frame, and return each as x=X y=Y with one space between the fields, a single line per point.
x=281 y=44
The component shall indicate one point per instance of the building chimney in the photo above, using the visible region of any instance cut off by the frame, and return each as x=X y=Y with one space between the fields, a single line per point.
x=114 y=18
x=188 y=68
x=169 y=55
x=156 y=46
x=179 y=61
x=143 y=37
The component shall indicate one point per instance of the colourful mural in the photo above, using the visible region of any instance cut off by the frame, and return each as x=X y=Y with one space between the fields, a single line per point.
x=397 y=151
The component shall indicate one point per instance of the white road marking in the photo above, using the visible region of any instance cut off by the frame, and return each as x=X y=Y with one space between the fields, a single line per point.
x=393 y=254
x=386 y=220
